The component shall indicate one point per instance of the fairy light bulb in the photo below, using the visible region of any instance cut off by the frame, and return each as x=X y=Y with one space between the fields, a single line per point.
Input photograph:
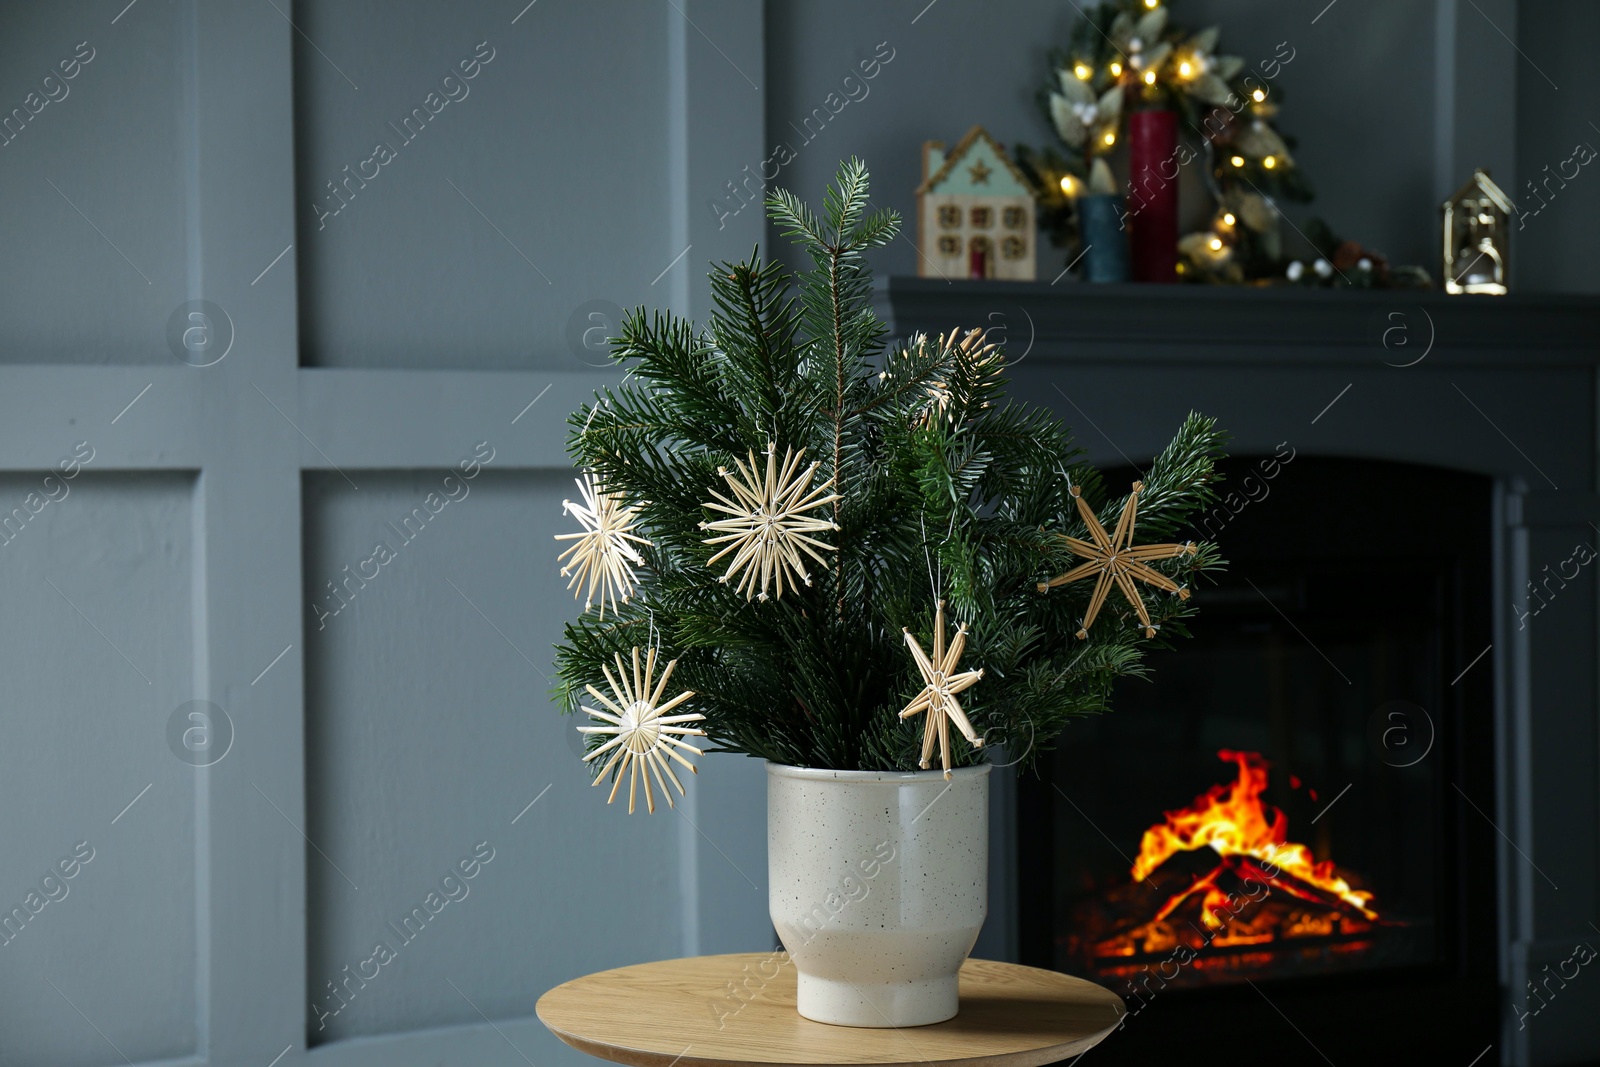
x=1185 y=68
x=1237 y=161
x=1082 y=71
x=1110 y=138
x=1152 y=4
x=1149 y=77
x=1258 y=96
x=1068 y=186
x=1116 y=69
x=1269 y=162
x=1228 y=218
x=1216 y=244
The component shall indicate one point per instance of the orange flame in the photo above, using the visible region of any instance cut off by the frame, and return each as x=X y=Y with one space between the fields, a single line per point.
x=1232 y=820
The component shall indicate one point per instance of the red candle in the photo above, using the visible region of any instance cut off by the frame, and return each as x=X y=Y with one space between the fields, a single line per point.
x=1153 y=196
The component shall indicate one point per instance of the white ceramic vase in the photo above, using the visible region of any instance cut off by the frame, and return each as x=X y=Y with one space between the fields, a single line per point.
x=879 y=883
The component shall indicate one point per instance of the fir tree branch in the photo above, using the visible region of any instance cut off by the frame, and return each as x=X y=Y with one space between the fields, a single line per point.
x=934 y=470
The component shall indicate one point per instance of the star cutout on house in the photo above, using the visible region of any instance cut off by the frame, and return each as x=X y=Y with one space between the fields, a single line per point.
x=980 y=172
x=1117 y=560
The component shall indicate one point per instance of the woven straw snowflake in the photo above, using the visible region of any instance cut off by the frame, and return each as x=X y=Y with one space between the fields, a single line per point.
x=642 y=731
x=767 y=529
x=603 y=556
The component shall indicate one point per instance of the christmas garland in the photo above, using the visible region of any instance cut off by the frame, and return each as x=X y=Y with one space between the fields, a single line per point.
x=1125 y=55
x=1128 y=53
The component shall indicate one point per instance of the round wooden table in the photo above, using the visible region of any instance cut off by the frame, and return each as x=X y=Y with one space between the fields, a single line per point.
x=715 y=1011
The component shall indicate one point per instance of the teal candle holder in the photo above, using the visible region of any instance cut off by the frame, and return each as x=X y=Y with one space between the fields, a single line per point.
x=1105 y=239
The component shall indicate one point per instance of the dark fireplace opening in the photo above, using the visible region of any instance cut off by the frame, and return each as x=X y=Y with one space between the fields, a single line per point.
x=1275 y=824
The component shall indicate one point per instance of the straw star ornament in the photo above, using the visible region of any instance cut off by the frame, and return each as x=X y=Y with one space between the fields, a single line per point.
x=766 y=528
x=975 y=359
x=1118 y=561
x=643 y=734
x=938 y=696
x=603 y=556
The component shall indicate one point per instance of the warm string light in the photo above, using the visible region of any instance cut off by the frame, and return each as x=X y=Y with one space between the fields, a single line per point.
x=1116 y=69
x=1269 y=162
x=1237 y=161
x=1082 y=71
x=1110 y=138
x=1258 y=96
x=1229 y=219
x=1152 y=4
x=1185 y=69
x=1216 y=244
x=1149 y=77
x=1068 y=186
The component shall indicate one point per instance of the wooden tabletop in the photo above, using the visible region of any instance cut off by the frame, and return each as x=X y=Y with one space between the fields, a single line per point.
x=716 y=1011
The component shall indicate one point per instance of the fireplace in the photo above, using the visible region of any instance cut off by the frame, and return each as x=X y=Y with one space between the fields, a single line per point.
x=1492 y=404
x=1274 y=815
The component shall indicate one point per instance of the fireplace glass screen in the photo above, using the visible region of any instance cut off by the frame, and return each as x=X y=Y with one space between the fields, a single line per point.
x=1280 y=800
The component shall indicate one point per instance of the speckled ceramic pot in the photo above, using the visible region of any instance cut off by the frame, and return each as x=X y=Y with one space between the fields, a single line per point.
x=879 y=883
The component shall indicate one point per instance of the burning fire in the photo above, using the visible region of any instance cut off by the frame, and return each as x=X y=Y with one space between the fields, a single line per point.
x=1232 y=820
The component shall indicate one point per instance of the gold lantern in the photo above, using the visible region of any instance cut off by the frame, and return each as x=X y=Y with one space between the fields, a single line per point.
x=1476 y=234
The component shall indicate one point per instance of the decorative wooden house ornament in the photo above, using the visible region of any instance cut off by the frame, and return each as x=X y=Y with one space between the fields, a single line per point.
x=1476 y=228
x=975 y=212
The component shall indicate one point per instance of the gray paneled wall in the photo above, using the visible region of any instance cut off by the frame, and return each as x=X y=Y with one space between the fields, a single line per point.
x=97 y=897
x=92 y=145
x=1556 y=92
x=485 y=181
x=379 y=754
x=428 y=729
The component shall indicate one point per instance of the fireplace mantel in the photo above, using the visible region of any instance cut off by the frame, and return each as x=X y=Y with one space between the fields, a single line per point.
x=1196 y=323
x=1501 y=386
